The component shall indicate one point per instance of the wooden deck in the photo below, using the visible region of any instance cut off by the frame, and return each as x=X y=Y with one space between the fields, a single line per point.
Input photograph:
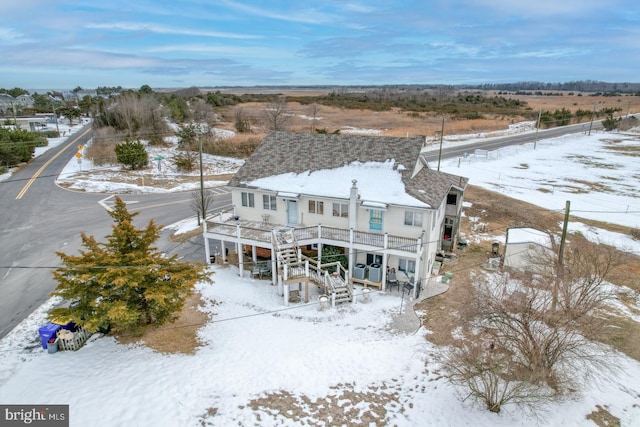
x=366 y=283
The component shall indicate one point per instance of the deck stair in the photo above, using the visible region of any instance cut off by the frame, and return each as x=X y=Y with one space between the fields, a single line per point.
x=293 y=266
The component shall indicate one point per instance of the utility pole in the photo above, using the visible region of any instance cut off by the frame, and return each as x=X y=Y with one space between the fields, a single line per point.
x=560 y=272
x=15 y=120
x=202 y=204
x=440 y=151
x=535 y=141
x=55 y=116
x=593 y=113
x=564 y=235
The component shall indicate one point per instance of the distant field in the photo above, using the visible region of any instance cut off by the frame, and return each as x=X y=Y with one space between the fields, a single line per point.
x=400 y=123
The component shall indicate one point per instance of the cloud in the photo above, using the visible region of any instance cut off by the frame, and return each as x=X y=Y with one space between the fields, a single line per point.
x=163 y=29
x=9 y=35
x=251 y=52
x=305 y=16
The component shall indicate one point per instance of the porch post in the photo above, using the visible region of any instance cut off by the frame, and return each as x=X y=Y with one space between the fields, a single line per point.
x=417 y=281
x=239 y=251
x=286 y=295
x=350 y=257
x=274 y=269
x=319 y=244
x=207 y=251
x=385 y=245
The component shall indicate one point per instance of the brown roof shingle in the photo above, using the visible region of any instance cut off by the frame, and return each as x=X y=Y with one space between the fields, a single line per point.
x=286 y=152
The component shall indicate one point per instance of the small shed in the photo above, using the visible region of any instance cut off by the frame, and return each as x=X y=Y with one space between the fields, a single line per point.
x=522 y=244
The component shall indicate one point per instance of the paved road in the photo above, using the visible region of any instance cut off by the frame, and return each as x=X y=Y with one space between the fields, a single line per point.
x=40 y=218
x=496 y=143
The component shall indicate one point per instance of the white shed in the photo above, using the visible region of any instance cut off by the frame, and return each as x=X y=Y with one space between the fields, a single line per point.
x=523 y=243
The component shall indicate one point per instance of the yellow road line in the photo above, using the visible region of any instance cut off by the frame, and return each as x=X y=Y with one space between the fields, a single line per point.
x=43 y=167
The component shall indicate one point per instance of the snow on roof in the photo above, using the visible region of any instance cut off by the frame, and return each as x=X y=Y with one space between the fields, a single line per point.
x=377 y=182
x=528 y=235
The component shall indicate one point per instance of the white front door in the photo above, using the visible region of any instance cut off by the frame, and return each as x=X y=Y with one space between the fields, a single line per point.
x=292 y=212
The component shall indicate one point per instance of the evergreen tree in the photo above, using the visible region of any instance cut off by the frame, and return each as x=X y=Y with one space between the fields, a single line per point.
x=124 y=283
x=132 y=154
x=610 y=123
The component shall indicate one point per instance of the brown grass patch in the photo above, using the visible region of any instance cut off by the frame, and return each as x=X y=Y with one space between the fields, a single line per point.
x=180 y=336
x=183 y=237
x=603 y=418
x=446 y=312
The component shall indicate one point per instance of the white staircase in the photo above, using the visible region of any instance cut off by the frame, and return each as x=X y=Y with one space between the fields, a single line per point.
x=292 y=265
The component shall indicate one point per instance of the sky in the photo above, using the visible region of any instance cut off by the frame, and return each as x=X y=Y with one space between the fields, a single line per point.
x=63 y=44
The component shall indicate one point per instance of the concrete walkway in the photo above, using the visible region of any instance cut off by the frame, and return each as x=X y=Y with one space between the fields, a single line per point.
x=407 y=321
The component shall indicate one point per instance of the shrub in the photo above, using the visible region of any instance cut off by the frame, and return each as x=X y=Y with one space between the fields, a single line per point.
x=184 y=162
x=132 y=154
x=50 y=133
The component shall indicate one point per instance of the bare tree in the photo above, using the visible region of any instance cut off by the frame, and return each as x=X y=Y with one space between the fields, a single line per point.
x=314 y=110
x=482 y=371
x=583 y=290
x=519 y=318
x=200 y=202
x=579 y=286
x=243 y=121
x=521 y=348
x=276 y=113
x=202 y=112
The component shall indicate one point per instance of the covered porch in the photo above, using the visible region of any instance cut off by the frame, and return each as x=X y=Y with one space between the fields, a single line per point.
x=224 y=227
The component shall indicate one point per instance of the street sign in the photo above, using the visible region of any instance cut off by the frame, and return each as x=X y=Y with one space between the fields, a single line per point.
x=158 y=158
x=78 y=155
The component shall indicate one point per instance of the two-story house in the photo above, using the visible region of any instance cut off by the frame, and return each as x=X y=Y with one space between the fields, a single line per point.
x=374 y=197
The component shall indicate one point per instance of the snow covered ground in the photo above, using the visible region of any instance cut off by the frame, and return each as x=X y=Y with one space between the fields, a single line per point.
x=351 y=360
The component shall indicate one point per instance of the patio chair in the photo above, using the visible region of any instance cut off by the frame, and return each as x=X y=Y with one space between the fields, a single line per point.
x=408 y=286
x=392 y=280
x=294 y=295
x=265 y=270
x=255 y=271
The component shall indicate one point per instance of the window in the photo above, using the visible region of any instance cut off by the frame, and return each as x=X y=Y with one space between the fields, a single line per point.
x=413 y=218
x=375 y=220
x=316 y=207
x=247 y=199
x=374 y=259
x=269 y=202
x=341 y=209
x=452 y=199
x=406 y=265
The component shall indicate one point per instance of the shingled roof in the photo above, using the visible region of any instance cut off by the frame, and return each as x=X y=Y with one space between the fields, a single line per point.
x=285 y=152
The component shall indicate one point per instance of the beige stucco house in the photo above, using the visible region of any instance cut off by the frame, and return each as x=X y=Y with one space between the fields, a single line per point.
x=372 y=196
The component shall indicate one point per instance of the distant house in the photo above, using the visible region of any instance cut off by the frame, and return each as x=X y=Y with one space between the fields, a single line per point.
x=525 y=246
x=24 y=100
x=9 y=104
x=373 y=197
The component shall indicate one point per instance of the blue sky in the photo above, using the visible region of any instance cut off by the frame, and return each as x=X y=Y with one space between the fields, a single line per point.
x=180 y=43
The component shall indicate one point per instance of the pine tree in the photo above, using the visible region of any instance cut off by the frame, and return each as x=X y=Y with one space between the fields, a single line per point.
x=132 y=154
x=124 y=283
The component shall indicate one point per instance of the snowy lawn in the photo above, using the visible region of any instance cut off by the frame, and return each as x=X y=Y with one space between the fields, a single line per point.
x=339 y=364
